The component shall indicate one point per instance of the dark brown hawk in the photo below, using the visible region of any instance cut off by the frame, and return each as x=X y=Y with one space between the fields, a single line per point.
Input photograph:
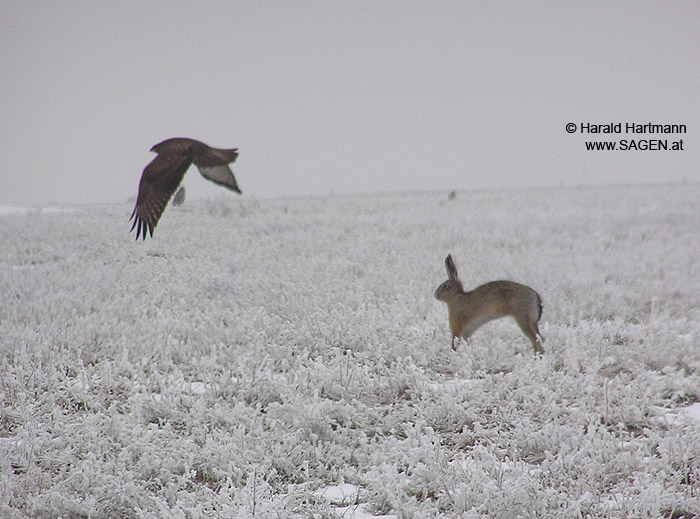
x=163 y=175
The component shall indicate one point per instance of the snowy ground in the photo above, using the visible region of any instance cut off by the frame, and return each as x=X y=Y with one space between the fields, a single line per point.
x=6 y=210
x=286 y=358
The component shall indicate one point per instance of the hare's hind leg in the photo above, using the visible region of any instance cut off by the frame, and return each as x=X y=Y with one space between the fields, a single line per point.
x=531 y=332
x=538 y=342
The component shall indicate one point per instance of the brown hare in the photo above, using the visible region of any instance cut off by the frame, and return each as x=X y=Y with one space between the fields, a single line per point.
x=469 y=310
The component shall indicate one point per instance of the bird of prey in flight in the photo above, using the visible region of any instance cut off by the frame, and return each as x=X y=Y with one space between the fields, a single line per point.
x=163 y=175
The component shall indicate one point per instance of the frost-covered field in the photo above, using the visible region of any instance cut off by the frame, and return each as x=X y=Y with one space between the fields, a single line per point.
x=286 y=358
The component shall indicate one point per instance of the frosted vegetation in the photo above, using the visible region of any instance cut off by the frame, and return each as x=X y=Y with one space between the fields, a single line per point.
x=257 y=354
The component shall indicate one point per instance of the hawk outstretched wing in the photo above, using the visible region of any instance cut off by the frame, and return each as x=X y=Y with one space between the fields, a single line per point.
x=161 y=178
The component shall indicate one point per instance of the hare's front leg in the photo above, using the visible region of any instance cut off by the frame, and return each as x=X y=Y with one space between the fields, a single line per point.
x=463 y=337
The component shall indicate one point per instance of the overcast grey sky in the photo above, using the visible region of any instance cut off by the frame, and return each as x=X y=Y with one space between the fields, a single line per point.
x=356 y=96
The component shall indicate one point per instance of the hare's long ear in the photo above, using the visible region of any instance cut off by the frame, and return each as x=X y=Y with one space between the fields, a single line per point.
x=451 y=268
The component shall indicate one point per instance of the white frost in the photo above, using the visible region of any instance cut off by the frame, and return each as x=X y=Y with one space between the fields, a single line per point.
x=692 y=411
x=344 y=498
x=343 y=494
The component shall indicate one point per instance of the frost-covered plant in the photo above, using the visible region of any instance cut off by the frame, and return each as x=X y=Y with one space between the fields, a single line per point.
x=246 y=358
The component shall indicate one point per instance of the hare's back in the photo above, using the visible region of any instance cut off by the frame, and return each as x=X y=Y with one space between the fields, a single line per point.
x=508 y=293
